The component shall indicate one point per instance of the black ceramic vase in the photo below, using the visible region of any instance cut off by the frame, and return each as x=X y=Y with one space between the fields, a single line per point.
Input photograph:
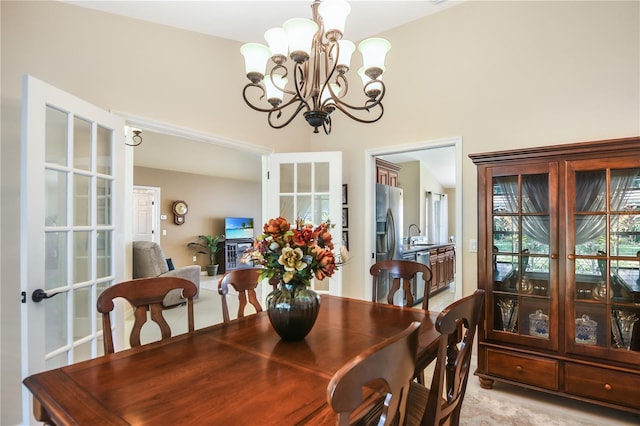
x=292 y=310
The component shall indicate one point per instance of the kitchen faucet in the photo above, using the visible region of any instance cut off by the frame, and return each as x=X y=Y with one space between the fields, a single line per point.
x=409 y=232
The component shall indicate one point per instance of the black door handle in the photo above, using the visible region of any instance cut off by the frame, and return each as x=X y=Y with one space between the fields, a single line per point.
x=39 y=294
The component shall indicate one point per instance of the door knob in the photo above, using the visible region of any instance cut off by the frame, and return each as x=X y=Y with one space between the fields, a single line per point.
x=39 y=294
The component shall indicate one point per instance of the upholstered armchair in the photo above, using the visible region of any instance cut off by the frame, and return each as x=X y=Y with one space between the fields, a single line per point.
x=149 y=261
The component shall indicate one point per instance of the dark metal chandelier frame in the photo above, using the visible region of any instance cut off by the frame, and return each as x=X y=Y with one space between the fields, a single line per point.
x=320 y=85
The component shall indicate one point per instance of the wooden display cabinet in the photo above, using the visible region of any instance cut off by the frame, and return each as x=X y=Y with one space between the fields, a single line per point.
x=559 y=238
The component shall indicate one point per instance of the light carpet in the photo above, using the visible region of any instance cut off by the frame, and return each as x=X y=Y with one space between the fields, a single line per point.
x=510 y=405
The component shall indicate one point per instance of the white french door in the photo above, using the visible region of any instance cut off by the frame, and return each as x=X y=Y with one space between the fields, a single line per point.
x=308 y=186
x=72 y=229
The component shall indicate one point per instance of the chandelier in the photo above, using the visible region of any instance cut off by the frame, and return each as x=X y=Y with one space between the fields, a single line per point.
x=321 y=60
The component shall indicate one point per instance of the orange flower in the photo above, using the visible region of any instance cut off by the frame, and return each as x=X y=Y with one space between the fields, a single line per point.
x=276 y=226
x=326 y=263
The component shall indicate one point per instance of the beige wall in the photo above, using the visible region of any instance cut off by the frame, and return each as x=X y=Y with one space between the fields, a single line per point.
x=500 y=74
x=409 y=181
x=210 y=200
x=416 y=180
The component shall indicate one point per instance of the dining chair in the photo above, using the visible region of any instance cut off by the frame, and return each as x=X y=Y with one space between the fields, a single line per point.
x=374 y=386
x=404 y=270
x=144 y=294
x=244 y=281
x=440 y=404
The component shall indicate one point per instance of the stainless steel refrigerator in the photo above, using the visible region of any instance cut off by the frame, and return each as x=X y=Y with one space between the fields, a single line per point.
x=388 y=233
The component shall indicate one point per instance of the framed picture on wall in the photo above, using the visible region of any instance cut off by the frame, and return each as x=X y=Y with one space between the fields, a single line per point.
x=345 y=217
x=345 y=239
x=344 y=193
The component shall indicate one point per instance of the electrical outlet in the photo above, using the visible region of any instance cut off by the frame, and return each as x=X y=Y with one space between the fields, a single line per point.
x=194 y=259
x=473 y=246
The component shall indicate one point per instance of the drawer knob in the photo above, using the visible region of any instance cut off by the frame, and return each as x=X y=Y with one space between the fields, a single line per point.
x=519 y=368
x=607 y=386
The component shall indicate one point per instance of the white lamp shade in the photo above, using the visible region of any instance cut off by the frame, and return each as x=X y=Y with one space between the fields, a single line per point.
x=255 y=57
x=300 y=34
x=334 y=14
x=277 y=40
x=275 y=88
x=374 y=51
x=365 y=79
x=346 y=50
x=326 y=94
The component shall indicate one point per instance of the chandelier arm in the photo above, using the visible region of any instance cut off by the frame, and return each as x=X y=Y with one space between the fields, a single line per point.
x=326 y=48
x=346 y=112
x=248 y=102
x=369 y=104
x=301 y=106
x=271 y=109
x=285 y=74
x=326 y=126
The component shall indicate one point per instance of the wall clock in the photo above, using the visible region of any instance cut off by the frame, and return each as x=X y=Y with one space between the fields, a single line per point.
x=180 y=209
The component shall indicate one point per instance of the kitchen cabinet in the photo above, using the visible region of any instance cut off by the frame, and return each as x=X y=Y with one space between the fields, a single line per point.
x=387 y=172
x=442 y=263
x=558 y=258
x=440 y=258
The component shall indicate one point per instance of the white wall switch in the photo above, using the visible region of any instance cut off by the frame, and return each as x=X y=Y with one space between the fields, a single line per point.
x=164 y=232
x=473 y=246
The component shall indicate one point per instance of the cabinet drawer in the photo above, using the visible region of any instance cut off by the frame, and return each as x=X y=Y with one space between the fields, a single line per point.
x=524 y=369
x=603 y=384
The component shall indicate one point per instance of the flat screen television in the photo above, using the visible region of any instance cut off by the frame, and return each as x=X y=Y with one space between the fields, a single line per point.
x=238 y=227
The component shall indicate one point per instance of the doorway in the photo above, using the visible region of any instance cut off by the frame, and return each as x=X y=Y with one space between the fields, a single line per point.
x=444 y=159
x=146 y=213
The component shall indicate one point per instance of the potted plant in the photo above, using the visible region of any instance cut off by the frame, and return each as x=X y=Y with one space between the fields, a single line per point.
x=209 y=246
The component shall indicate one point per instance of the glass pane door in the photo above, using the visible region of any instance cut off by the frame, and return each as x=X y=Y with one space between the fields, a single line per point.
x=73 y=192
x=522 y=228
x=308 y=187
x=605 y=278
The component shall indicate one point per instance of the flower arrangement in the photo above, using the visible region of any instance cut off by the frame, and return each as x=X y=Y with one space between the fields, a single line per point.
x=293 y=255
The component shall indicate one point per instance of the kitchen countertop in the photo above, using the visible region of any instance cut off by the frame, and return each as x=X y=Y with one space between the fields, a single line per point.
x=415 y=248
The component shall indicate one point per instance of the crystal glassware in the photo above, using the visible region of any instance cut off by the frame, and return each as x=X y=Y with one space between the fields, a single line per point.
x=509 y=314
x=622 y=323
x=539 y=324
x=586 y=330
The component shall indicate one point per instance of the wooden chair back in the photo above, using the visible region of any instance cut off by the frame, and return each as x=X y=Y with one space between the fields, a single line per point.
x=457 y=323
x=244 y=281
x=387 y=367
x=402 y=273
x=144 y=294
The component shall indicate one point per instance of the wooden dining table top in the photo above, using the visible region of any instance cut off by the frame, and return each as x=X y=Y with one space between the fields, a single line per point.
x=239 y=372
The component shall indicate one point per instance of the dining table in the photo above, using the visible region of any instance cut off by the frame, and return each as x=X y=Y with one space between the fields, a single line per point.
x=235 y=373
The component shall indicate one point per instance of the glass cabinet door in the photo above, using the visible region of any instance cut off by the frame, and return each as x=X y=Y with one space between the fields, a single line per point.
x=524 y=248
x=604 y=244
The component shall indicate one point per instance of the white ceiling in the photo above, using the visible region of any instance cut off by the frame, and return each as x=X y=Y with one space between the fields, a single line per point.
x=246 y=21
x=441 y=162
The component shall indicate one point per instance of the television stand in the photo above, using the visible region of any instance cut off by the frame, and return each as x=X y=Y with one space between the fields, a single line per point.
x=233 y=251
